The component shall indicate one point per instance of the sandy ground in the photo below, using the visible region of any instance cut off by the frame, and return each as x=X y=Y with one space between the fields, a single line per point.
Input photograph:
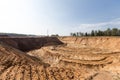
x=93 y=58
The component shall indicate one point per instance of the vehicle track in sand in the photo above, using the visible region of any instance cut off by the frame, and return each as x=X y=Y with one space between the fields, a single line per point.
x=77 y=59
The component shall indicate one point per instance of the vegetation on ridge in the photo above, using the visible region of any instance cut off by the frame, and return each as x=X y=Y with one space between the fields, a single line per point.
x=108 y=32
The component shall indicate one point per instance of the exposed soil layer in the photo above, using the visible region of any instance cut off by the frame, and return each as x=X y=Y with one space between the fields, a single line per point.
x=26 y=44
x=93 y=57
x=109 y=43
x=16 y=65
x=47 y=58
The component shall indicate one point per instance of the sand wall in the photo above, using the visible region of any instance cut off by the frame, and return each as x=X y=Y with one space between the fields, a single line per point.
x=26 y=44
x=112 y=43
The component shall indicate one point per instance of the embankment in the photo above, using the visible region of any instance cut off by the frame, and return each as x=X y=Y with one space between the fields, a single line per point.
x=27 y=44
x=111 y=43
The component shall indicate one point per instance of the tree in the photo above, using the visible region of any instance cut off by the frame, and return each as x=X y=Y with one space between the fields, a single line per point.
x=114 y=32
x=86 y=34
x=71 y=34
x=107 y=32
x=92 y=33
x=77 y=34
x=95 y=33
x=74 y=34
x=118 y=32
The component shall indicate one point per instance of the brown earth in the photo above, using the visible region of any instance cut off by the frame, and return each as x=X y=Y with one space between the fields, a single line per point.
x=47 y=58
x=27 y=44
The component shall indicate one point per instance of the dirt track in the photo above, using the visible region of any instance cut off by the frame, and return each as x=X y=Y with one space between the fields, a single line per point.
x=93 y=58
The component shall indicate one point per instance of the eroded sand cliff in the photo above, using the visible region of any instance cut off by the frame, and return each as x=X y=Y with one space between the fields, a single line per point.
x=79 y=58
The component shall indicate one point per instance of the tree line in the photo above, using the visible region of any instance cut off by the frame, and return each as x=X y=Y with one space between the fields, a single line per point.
x=107 y=32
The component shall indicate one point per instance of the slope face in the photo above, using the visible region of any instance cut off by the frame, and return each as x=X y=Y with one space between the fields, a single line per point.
x=109 y=43
x=17 y=65
x=69 y=61
x=28 y=43
x=13 y=63
x=92 y=59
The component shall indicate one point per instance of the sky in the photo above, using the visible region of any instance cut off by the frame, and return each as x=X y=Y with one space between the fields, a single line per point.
x=58 y=16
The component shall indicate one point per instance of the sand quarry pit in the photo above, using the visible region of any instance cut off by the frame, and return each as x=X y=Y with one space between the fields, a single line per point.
x=63 y=58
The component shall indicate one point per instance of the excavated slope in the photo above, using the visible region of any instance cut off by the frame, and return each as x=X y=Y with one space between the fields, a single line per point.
x=47 y=58
x=96 y=58
x=28 y=43
x=109 y=43
x=17 y=65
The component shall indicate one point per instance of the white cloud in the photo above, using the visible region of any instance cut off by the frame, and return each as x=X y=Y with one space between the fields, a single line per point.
x=103 y=25
x=26 y=16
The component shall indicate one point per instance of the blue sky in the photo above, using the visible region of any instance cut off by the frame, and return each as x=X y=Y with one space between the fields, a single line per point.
x=58 y=16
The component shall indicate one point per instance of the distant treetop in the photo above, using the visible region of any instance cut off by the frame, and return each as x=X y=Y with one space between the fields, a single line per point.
x=107 y=32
